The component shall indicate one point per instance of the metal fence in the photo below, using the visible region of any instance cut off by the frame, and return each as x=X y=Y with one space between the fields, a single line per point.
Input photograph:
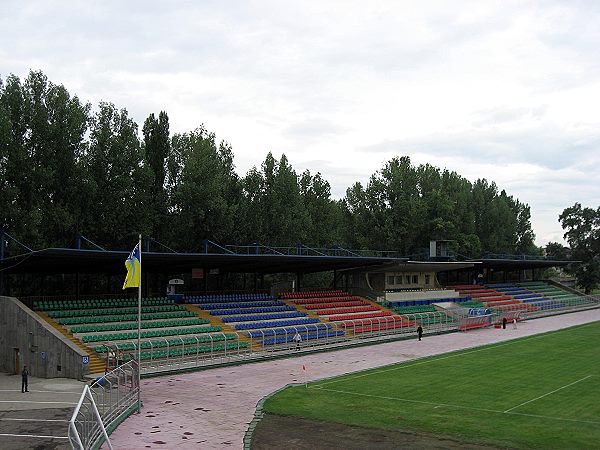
x=211 y=349
x=103 y=405
x=542 y=308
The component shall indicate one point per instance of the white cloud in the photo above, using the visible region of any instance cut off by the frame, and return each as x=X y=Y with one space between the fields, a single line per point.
x=506 y=90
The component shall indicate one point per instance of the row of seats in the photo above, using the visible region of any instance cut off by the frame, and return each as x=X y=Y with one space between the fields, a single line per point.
x=305 y=337
x=360 y=316
x=257 y=317
x=149 y=334
x=127 y=346
x=189 y=350
x=293 y=330
x=523 y=296
x=282 y=323
x=430 y=301
x=109 y=311
x=357 y=309
x=335 y=304
x=220 y=298
x=501 y=302
x=481 y=295
x=266 y=303
x=472 y=304
x=342 y=307
x=268 y=309
x=498 y=298
x=511 y=289
x=118 y=326
x=97 y=303
x=414 y=309
x=124 y=318
x=313 y=294
x=308 y=301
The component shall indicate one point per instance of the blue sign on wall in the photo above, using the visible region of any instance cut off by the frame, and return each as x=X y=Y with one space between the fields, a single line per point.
x=86 y=359
x=43 y=355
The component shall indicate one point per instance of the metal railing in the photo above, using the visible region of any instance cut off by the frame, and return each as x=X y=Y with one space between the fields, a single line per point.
x=205 y=350
x=102 y=405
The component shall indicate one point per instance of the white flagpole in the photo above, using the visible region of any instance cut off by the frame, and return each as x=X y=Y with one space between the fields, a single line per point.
x=139 y=350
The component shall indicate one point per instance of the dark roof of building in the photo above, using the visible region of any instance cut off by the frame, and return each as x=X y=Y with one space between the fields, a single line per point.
x=64 y=260
x=519 y=264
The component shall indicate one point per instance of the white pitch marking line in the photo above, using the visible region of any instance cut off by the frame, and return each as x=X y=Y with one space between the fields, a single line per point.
x=33 y=436
x=552 y=392
x=46 y=392
x=562 y=419
x=41 y=403
x=34 y=420
x=403 y=365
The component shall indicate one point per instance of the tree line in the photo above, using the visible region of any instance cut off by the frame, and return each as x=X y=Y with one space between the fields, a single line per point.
x=582 y=233
x=67 y=169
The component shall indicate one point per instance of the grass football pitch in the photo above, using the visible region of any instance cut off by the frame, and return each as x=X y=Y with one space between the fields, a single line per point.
x=541 y=391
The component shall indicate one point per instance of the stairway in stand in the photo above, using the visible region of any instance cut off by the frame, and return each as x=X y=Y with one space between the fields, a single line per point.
x=96 y=364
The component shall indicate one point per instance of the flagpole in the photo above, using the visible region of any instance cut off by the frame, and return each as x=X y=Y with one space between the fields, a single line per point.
x=139 y=350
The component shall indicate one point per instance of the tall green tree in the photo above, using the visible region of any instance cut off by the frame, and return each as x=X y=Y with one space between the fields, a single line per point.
x=157 y=150
x=274 y=205
x=117 y=180
x=322 y=212
x=43 y=142
x=582 y=232
x=403 y=207
x=206 y=201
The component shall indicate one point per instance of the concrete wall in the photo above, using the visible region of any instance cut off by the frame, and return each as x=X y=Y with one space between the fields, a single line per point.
x=45 y=351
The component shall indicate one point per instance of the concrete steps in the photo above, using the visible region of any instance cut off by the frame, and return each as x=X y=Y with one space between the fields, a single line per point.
x=96 y=364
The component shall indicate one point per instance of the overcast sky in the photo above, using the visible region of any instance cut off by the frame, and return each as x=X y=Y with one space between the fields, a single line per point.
x=503 y=90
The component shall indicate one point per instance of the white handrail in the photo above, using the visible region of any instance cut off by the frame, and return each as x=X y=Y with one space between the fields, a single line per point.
x=112 y=410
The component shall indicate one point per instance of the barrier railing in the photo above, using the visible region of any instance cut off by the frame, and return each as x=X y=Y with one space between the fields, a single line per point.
x=210 y=349
x=102 y=405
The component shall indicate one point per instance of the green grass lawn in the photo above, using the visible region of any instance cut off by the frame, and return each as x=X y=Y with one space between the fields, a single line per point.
x=537 y=392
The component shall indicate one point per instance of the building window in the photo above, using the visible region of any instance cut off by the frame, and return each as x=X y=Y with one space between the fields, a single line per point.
x=415 y=279
x=407 y=279
x=399 y=279
x=390 y=279
x=427 y=279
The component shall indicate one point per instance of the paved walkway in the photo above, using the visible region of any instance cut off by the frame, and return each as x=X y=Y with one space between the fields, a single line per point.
x=212 y=408
x=38 y=418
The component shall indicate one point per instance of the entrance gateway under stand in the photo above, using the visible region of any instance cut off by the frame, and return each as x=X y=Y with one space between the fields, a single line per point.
x=175 y=290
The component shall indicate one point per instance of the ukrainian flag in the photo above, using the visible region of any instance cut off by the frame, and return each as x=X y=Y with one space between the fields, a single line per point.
x=134 y=269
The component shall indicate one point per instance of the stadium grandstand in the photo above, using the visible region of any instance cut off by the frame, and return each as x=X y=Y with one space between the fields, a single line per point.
x=190 y=325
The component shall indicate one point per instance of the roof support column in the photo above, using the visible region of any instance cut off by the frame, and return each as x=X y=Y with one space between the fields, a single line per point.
x=2 y=243
x=77 y=286
x=299 y=276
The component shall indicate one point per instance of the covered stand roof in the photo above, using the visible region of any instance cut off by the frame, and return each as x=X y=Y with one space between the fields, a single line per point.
x=64 y=260
x=519 y=264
